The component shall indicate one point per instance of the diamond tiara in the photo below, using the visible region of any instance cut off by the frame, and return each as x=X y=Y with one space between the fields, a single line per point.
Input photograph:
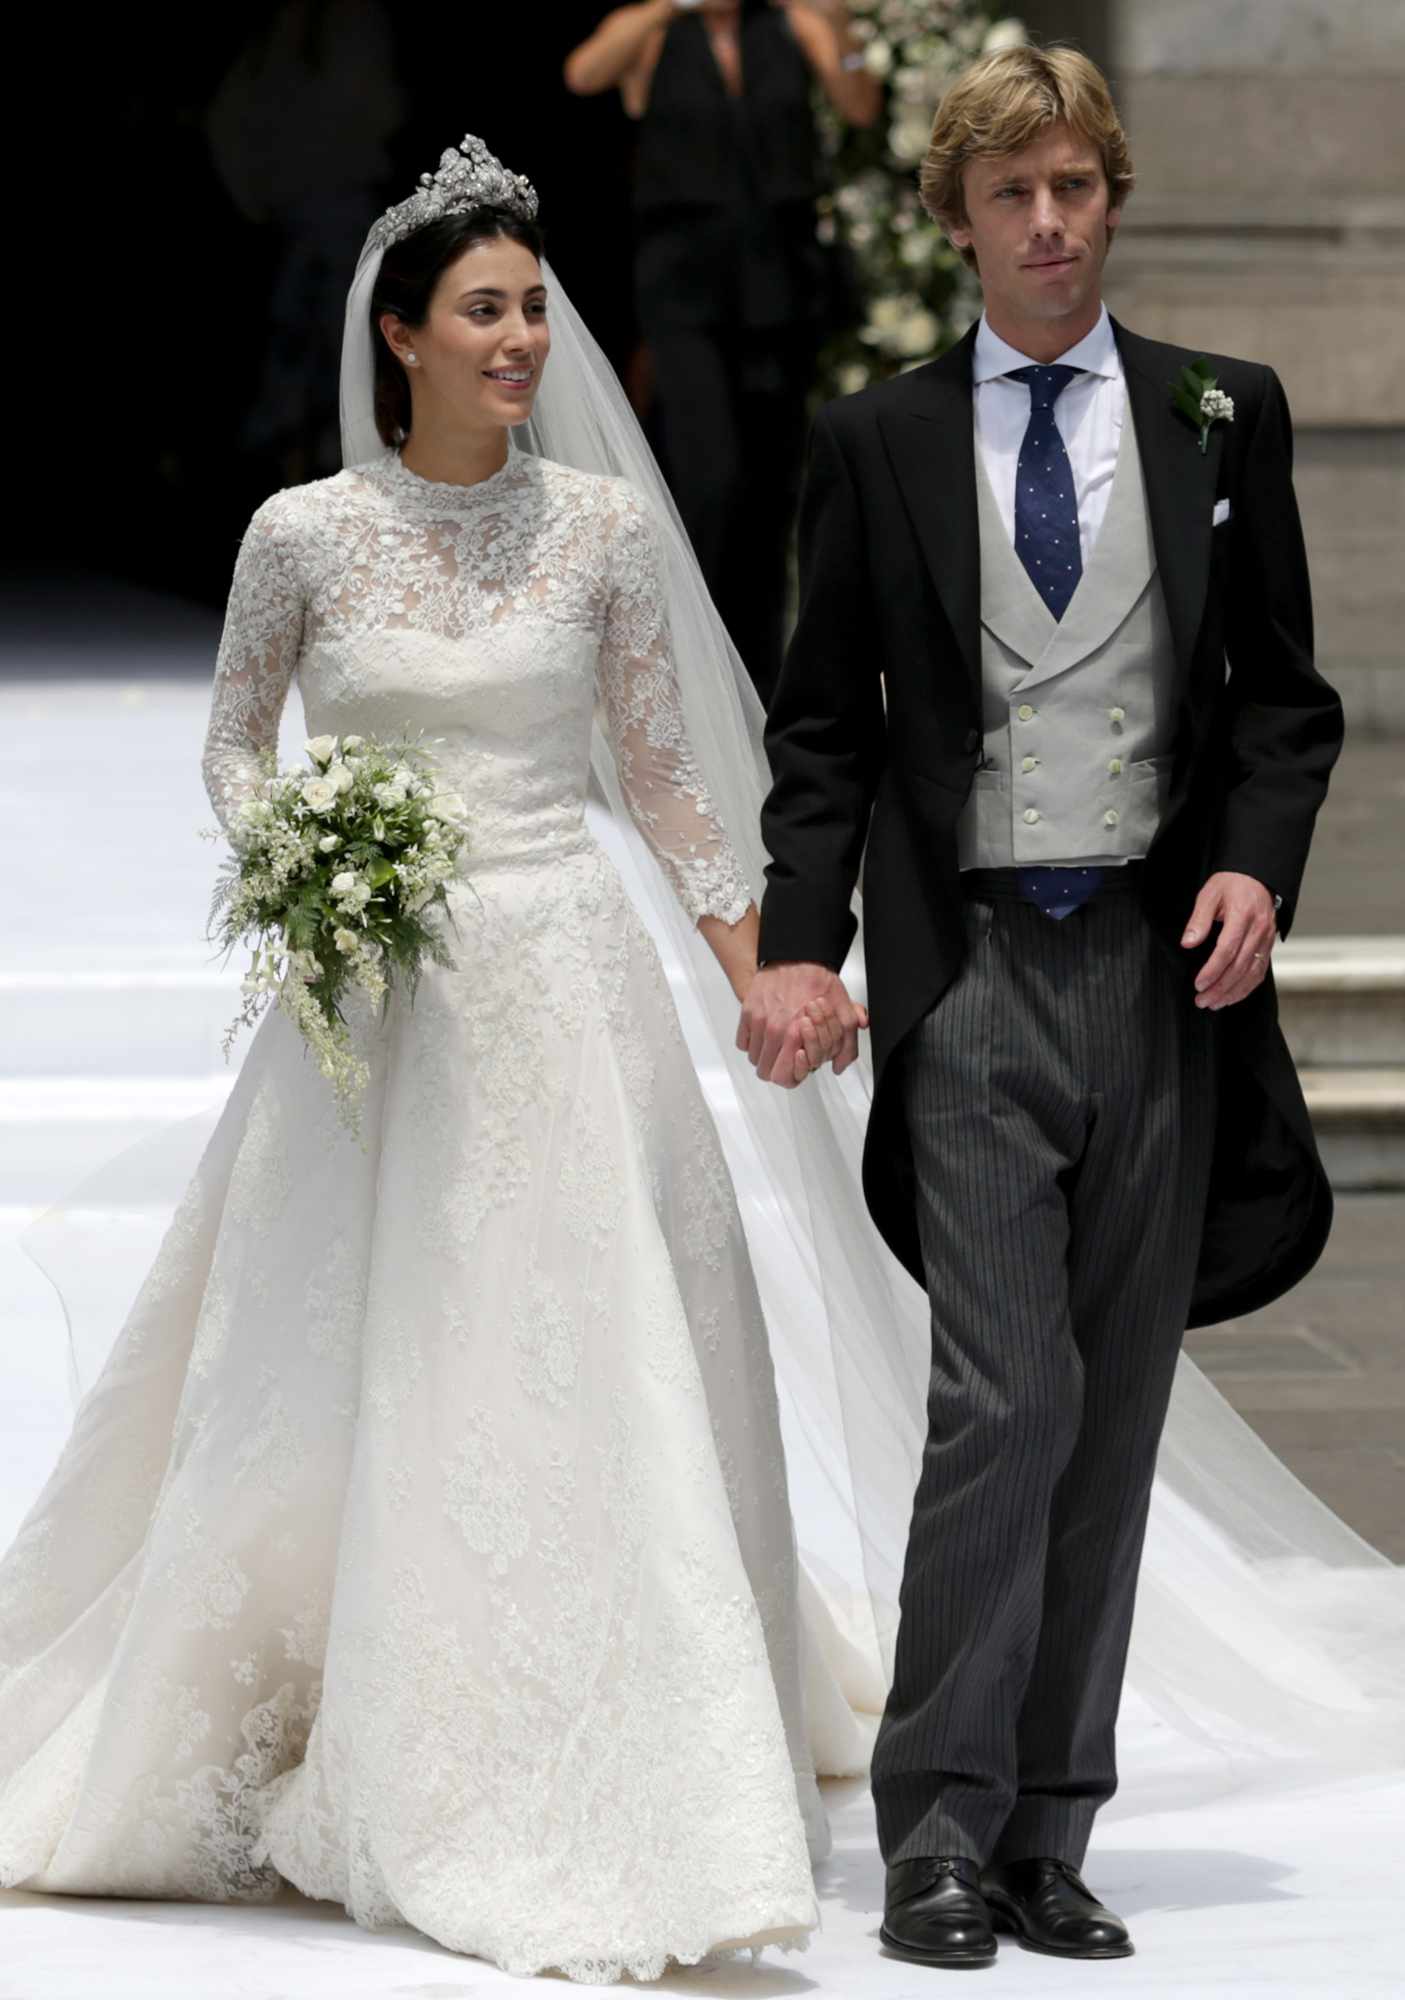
x=468 y=176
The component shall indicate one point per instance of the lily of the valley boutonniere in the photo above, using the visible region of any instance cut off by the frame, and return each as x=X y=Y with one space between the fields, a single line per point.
x=1200 y=400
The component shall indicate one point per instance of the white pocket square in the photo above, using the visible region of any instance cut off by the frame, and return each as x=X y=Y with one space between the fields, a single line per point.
x=1221 y=513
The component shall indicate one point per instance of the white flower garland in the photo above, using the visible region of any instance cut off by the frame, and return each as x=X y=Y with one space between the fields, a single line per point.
x=918 y=292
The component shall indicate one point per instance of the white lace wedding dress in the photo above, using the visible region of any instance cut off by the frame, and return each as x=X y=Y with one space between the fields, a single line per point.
x=425 y=1541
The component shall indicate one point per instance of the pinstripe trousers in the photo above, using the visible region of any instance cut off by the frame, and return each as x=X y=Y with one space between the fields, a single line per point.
x=1060 y=1105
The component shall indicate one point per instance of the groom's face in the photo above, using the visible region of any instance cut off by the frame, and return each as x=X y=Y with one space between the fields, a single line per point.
x=1039 y=224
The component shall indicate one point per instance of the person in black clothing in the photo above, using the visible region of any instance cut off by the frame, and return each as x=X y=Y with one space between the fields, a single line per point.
x=1086 y=1132
x=731 y=280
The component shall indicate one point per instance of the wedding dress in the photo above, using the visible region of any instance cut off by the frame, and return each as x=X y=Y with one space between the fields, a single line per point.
x=425 y=1541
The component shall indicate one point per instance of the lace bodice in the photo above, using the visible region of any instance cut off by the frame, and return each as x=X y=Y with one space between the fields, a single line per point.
x=494 y=618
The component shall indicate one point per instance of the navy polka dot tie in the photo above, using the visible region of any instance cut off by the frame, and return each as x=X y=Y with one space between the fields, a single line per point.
x=1046 y=505
x=1046 y=542
x=1058 y=892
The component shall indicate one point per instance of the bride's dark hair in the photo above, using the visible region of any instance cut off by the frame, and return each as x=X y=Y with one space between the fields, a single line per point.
x=409 y=272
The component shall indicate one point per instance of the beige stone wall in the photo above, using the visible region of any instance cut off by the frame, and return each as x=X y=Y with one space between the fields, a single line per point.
x=1269 y=221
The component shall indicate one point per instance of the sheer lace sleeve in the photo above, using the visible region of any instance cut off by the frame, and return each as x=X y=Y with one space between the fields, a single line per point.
x=665 y=790
x=258 y=656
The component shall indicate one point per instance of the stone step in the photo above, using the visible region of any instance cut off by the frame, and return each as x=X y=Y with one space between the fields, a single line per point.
x=1342 y=1000
x=1359 y=1118
x=120 y=1021
x=56 y=1130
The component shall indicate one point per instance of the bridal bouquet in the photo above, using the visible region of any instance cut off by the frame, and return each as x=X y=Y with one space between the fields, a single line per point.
x=334 y=878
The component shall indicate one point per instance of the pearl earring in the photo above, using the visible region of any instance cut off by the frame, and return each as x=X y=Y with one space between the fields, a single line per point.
x=413 y=358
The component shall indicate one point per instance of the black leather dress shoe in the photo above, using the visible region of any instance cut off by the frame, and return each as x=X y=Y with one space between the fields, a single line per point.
x=1049 y=1908
x=934 y=1913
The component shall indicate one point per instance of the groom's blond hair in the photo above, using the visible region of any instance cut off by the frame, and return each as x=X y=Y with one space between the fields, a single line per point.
x=1001 y=104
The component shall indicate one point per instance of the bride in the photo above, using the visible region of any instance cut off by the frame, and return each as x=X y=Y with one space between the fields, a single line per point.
x=425 y=1542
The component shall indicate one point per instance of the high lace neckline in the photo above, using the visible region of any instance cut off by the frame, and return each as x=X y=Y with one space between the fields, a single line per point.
x=445 y=493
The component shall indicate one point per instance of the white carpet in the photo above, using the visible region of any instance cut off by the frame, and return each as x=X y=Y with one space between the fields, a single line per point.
x=1235 y=1902
x=110 y=1014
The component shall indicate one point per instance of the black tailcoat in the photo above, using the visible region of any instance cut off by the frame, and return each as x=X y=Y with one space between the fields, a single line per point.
x=875 y=732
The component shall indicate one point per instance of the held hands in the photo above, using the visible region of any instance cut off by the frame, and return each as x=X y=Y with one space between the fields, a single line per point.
x=1244 y=909
x=796 y=1018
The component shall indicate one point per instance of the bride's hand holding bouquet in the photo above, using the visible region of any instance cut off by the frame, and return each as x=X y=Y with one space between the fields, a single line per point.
x=334 y=880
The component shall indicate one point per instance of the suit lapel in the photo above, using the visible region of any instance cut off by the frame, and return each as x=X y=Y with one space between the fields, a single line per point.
x=930 y=441
x=1180 y=484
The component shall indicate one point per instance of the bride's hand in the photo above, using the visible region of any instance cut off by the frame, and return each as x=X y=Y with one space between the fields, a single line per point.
x=795 y=1019
x=820 y=1038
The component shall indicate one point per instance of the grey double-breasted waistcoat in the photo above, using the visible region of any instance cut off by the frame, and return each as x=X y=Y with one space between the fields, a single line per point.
x=1078 y=714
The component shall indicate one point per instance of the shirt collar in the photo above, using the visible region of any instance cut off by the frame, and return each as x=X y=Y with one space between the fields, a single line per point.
x=1096 y=353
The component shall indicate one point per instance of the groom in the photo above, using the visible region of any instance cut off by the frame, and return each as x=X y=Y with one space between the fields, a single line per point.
x=1053 y=681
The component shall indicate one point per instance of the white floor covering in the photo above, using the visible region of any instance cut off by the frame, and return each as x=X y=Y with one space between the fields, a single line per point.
x=110 y=1012
x=1231 y=1902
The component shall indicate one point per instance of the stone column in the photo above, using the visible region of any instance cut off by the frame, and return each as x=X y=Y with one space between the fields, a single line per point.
x=1269 y=222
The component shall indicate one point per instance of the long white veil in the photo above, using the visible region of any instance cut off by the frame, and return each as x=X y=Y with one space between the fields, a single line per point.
x=1266 y=1630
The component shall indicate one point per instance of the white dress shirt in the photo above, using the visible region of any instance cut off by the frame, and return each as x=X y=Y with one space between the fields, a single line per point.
x=1088 y=413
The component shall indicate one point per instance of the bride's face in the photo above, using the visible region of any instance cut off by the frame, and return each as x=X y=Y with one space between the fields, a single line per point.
x=481 y=352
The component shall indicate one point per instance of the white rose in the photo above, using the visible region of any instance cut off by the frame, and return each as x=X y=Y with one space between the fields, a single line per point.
x=320 y=794
x=908 y=141
x=320 y=748
x=1007 y=34
x=341 y=777
x=329 y=843
x=878 y=57
x=352 y=743
x=343 y=884
x=447 y=806
x=343 y=939
x=913 y=85
x=918 y=334
x=389 y=794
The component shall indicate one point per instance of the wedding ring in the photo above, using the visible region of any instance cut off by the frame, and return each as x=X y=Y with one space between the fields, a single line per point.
x=1258 y=958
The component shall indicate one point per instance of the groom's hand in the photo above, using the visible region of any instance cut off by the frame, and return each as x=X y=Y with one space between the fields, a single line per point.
x=797 y=1017
x=1244 y=910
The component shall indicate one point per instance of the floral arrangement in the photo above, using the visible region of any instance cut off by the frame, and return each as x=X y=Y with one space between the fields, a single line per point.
x=919 y=295
x=332 y=881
